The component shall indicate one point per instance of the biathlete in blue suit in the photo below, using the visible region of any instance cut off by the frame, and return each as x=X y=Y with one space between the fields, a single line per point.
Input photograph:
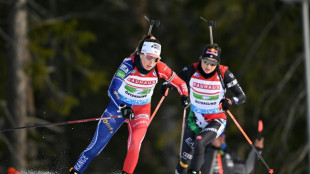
x=130 y=92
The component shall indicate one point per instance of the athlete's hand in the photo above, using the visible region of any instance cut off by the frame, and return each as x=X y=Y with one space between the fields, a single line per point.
x=164 y=87
x=184 y=100
x=259 y=143
x=225 y=104
x=127 y=112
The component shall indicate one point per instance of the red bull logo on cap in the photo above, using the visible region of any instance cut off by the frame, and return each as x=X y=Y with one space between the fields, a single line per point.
x=212 y=51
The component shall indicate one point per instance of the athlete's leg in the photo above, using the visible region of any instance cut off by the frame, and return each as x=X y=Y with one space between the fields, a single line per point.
x=137 y=129
x=207 y=135
x=105 y=130
x=187 y=149
x=190 y=132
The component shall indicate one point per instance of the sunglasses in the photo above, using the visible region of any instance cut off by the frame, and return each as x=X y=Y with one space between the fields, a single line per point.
x=151 y=58
x=209 y=62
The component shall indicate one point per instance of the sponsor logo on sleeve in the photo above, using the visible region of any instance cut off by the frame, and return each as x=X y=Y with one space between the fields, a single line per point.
x=116 y=93
x=199 y=137
x=231 y=75
x=120 y=74
x=124 y=68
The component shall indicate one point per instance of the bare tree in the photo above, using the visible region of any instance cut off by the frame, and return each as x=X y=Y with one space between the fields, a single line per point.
x=18 y=82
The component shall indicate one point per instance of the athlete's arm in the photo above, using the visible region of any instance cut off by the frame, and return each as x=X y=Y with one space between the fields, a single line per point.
x=122 y=72
x=247 y=166
x=232 y=84
x=187 y=72
x=172 y=78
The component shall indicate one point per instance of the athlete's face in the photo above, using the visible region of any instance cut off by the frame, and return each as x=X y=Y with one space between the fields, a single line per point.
x=208 y=65
x=148 y=60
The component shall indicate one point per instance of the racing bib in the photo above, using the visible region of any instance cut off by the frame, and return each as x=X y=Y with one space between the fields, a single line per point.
x=137 y=89
x=205 y=94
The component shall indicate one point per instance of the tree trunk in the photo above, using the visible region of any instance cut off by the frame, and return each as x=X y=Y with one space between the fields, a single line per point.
x=18 y=82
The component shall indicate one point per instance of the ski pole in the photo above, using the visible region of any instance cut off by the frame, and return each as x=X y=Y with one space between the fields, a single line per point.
x=182 y=132
x=250 y=142
x=62 y=123
x=152 y=23
x=158 y=105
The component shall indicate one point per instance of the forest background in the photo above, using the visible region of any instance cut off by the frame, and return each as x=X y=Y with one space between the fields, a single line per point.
x=57 y=58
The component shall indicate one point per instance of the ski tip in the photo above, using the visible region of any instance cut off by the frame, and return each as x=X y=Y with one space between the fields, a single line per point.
x=271 y=171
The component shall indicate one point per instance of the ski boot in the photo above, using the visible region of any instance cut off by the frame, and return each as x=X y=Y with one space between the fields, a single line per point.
x=72 y=171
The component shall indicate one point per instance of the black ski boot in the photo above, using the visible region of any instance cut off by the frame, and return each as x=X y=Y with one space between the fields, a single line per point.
x=72 y=171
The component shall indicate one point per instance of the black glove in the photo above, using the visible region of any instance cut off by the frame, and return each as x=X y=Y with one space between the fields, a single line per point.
x=127 y=112
x=226 y=103
x=184 y=100
x=164 y=87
